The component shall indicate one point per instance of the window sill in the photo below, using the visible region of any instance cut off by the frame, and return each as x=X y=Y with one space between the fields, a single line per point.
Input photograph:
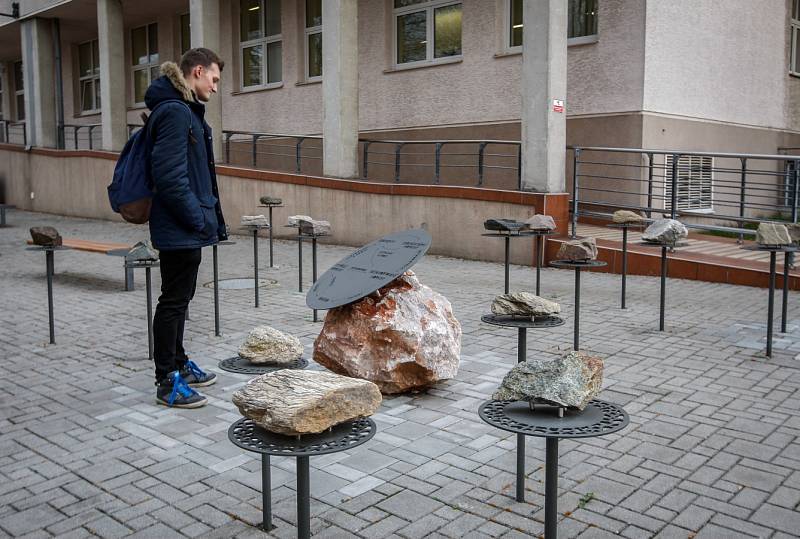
x=508 y=53
x=795 y=75
x=86 y=114
x=697 y=211
x=140 y=106
x=308 y=82
x=423 y=65
x=268 y=87
x=585 y=40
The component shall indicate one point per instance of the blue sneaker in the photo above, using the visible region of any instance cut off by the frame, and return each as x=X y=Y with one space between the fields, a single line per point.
x=174 y=392
x=195 y=376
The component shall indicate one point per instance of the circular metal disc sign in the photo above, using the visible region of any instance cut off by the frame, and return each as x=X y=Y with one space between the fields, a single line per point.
x=369 y=268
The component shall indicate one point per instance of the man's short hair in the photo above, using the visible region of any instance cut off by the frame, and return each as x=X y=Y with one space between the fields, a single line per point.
x=199 y=57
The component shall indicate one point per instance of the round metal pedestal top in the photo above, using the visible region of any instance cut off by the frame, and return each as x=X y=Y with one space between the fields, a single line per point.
x=597 y=419
x=577 y=264
x=144 y=263
x=48 y=248
x=668 y=245
x=241 y=283
x=249 y=436
x=242 y=366
x=771 y=248
x=511 y=321
x=626 y=225
x=519 y=234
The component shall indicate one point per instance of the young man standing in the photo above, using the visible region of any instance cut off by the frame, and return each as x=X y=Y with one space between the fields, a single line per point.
x=185 y=215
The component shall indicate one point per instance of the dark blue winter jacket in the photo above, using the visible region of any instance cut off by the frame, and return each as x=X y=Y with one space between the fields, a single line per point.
x=186 y=212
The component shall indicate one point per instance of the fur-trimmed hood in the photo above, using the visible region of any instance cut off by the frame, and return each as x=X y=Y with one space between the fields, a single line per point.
x=171 y=85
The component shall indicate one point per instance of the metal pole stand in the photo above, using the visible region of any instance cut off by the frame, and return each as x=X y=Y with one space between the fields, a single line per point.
x=271 y=265
x=663 y=301
x=624 y=264
x=303 y=499
x=539 y=243
x=314 y=266
x=771 y=302
x=216 y=291
x=551 y=489
x=148 y=282
x=577 y=266
x=255 y=264
x=508 y=253
x=50 y=269
x=299 y=261
x=787 y=261
x=266 y=494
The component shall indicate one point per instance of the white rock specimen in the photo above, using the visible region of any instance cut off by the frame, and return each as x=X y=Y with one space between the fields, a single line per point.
x=627 y=217
x=667 y=231
x=579 y=250
x=295 y=402
x=571 y=381
x=773 y=234
x=267 y=345
x=524 y=304
x=402 y=337
x=295 y=219
x=540 y=222
x=142 y=251
x=314 y=228
x=254 y=220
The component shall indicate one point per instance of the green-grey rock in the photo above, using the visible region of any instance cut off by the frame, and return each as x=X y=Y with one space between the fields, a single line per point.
x=524 y=304
x=627 y=217
x=571 y=381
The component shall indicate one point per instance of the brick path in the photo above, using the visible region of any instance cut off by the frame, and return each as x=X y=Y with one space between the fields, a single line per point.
x=712 y=450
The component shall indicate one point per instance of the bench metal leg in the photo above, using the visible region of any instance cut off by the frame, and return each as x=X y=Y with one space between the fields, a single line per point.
x=128 y=278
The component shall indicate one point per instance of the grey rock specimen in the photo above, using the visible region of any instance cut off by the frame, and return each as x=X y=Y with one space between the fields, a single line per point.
x=46 y=236
x=541 y=222
x=314 y=228
x=773 y=234
x=295 y=219
x=627 y=217
x=254 y=220
x=667 y=231
x=294 y=402
x=571 y=381
x=268 y=345
x=503 y=225
x=578 y=250
x=270 y=201
x=142 y=251
x=524 y=304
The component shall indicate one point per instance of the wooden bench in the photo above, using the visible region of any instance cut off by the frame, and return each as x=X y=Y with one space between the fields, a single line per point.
x=101 y=247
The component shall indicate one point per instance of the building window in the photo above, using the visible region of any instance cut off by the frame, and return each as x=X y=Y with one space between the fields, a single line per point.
x=693 y=187
x=426 y=30
x=89 y=76
x=144 y=59
x=19 y=91
x=261 y=45
x=313 y=39
x=186 y=33
x=581 y=22
x=794 y=61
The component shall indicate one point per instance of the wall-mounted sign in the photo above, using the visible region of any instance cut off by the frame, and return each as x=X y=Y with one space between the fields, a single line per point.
x=558 y=105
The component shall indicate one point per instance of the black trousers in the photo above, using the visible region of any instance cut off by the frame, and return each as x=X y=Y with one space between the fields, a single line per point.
x=178 y=283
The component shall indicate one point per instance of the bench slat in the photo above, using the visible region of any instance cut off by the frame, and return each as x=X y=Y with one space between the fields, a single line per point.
x=90 y=246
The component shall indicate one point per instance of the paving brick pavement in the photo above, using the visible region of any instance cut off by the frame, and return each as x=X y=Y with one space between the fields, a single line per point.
x=712 y=449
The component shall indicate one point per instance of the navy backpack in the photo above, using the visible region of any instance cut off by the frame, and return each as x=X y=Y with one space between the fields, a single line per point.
x=131 y=189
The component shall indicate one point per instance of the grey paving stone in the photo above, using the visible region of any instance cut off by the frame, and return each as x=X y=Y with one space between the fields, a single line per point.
x=409 y=505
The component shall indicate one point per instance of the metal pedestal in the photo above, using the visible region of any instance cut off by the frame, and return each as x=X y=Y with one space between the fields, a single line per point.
x=240 y=365
x=577 y=266
x=270 y=207
x=49 y=262
x=254 y=229
x=787 y=262
x=662 y=303
x=553 y=423
x=146 y=264
x=624 y=227
x=216 y=284
x=507 y=237
x=313 y=239
x=247 y=435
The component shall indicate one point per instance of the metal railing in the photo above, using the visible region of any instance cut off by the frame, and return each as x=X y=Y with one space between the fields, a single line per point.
x=706 y=190
x=81 y=136
x=13 y=132
x=272 y=146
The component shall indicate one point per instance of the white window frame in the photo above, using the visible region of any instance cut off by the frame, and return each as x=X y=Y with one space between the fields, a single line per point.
x=94 y=76
x=428 y=7
x=18 y=93
x=309 y=31
x=263 y=41
x=794 y=36
x=139 y=67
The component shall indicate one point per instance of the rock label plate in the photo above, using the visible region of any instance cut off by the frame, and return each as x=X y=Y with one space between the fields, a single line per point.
x=368 y=268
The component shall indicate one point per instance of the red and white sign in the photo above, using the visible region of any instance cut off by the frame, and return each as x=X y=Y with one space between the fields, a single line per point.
x=558 y=105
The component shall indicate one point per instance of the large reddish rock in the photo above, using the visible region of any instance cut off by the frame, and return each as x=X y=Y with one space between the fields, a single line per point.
x=401 y=337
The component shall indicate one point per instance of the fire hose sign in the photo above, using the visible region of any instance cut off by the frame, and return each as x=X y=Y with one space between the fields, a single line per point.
x=558 y=105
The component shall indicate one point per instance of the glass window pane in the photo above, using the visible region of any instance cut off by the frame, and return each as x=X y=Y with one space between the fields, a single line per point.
x=411 y=37
x=313 y=13
x=582 y=18
x=20 y=107
x=274 y=68
x=516 y=23
x=96 y=57
x=139 y=45
x=186 y=34
x=795 y=59
x=87 y=93
x=315 y=55
x=273 y=17
x=155 y=72
x=19 y=83
x=250 y=20
x=252 y=60
x=152 y=42
x=447 y=31
x=140 y=83
x=404 y=3
x=85 y=59
x=96 y=93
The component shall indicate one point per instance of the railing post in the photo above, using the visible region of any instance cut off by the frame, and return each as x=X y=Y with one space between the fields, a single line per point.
x=674 y=198
x=255 y=150
x=366 y=159
x=5 y=127
x=298 y=154
x=438 y=160
x=742 y=188
x=519 y=167
x=91 y=142
x=75 y=136
x=796 y=177
x=228 y=148
x=481 y=148
x=397 y=149
x=25 y=134
x=649 y=184
x=575 y=168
